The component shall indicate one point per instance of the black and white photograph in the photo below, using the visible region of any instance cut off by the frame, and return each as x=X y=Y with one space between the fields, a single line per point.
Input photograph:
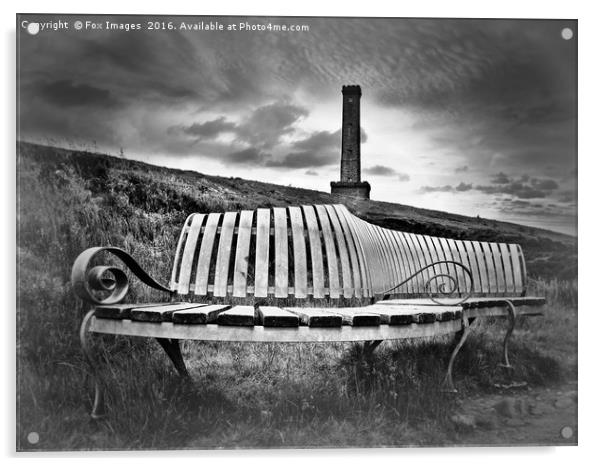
x=295 y=232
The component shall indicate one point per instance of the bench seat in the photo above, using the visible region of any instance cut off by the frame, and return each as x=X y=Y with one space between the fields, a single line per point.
x=389 y=312
x=394 y=319
x=305 y=274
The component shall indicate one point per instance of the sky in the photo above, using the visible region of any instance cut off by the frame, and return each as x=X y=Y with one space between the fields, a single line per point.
x=476 y=117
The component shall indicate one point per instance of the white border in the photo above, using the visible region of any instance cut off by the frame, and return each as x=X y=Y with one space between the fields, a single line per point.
x=589 y=174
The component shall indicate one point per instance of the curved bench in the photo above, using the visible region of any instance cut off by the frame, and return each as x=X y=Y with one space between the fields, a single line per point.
x=306 y=274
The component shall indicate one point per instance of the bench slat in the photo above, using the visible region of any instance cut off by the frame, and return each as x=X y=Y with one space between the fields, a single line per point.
x=523 y=269
x=188 y=254
x=491 y=274
x=437 y=255
x=120 y=311
x=372 y=257
x=262 y=253
x=354 y=229
x=378 y=264
x=199 y=315
x=404 y=262
x=160 y=313
x=222 y=265
x=177 y=257
x=516 y=268
x=342 y=252
x=483 y=273
x=388 y=257
x=408 y=314
x=471 y=263
x=464 y=259
x=412 y=262
x=356 y=317
x=202 y=273
x=313 y=317
x=398 y=258
x=275 y=317
x=238 y=315
x=450 y=254
x=241 y=261
x=280 y=253
x=425 y=257
x=491 y=268
x=331 y=255
x=353 y=253
x=507 y=266
x=451 y=249
x=300 y=255
x=315 y=246
x=499 y=268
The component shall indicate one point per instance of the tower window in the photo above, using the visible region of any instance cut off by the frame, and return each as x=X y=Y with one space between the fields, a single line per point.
x=349 y=99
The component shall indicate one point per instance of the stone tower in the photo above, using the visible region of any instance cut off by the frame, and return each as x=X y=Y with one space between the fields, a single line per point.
x=351 y=184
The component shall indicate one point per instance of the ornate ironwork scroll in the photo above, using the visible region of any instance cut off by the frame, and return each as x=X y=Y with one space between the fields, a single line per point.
x=441 y=289
x=107 y=279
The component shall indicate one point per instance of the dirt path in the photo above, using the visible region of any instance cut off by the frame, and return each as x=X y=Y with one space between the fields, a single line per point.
x=520 y=416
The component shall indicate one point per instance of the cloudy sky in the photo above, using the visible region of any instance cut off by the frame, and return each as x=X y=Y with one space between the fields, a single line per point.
x=476 y=117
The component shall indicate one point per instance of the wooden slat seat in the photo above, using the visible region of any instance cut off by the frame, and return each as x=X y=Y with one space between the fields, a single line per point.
x=470 y=303
x=238 y=315
x=204 y=314
x=270 y=316
x=159 y=313
x=317 y=317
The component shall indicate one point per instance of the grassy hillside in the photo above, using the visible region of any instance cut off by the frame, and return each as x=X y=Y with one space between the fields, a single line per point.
x=243 y=395
x=136 y=189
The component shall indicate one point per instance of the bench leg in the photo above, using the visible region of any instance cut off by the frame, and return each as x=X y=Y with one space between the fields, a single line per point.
x=448 y=382
x=98 y=408
x=511 y=324
x=172 y=348
x=370 y=346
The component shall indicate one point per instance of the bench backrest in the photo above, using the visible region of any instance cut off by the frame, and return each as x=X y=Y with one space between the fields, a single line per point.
x=323 y=251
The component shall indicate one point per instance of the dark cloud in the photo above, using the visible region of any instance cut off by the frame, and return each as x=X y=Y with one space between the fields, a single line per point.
x=503 y=184
x=567 y=196
x=500 y=178
x=461 y=169
x=553 y=212
x=209 y=129
x=436 y=189
x=66 y=93
x=545 y=185
x=311 y=173
x=380 y=170
x=462 y=187
x=363 y=136
x=249 y=156
x=515 y=188
x=319 y=141
x=267 y=124
x=295 y=160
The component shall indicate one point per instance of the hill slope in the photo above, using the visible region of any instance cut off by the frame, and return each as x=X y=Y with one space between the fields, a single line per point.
x=69 y=195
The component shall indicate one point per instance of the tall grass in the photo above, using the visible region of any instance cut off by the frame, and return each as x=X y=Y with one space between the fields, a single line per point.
x=256 y=395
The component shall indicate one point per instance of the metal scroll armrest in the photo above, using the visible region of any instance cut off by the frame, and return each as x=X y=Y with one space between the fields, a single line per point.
x=441 y=289
x=107 y=278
